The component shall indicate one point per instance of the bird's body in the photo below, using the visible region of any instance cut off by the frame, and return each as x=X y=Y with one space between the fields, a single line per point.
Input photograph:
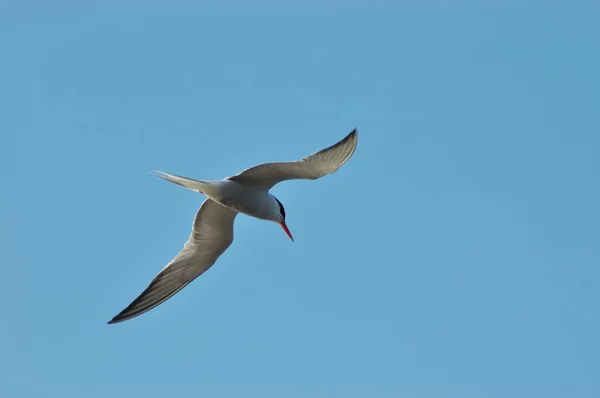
x=212 y=232
x=254 y=202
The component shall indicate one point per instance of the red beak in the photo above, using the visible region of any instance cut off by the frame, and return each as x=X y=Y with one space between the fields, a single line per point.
x=287 y=231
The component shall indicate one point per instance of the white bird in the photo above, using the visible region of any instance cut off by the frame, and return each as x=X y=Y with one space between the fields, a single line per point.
x=212 y=231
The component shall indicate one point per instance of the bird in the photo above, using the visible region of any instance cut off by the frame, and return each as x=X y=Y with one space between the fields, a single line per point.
x=212 y=229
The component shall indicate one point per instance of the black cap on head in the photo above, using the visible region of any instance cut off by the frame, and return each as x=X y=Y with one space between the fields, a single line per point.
x=281 y=209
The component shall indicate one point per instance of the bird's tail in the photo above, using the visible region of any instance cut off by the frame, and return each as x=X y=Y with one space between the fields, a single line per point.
x=188 y=183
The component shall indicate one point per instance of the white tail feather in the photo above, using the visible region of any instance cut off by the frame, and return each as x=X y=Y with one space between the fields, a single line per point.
x=188 y=183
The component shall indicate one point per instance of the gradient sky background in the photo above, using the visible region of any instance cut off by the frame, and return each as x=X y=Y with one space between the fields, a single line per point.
x=457 y=253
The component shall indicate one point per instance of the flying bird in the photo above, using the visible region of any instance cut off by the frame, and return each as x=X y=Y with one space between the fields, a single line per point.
x=212 y=231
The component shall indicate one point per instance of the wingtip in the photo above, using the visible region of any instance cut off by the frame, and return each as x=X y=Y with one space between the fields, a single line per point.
x=353 y=134
x=115 y=319
x=118 y=319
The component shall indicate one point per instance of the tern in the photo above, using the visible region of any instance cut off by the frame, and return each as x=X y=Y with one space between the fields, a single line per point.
x=212 y=230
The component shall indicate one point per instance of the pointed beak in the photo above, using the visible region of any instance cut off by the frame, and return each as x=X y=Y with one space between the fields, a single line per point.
x=287 y=231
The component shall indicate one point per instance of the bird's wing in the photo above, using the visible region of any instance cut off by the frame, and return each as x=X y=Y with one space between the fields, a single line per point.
x=317 y=165
x=211 y=235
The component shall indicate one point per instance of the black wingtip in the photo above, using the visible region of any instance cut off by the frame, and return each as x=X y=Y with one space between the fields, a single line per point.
x=120 y=317
x=352 y=135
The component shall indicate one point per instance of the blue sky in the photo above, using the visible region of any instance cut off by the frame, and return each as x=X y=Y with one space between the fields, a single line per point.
x=455 y=255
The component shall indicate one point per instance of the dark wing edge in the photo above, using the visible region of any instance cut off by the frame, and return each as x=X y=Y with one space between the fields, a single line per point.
x=135 y=309
x=248 y=176
x=176 y=275
x=323 y=153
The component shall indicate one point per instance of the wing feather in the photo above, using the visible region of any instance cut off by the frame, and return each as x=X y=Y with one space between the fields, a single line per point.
x=316 y=165
x=211 y=235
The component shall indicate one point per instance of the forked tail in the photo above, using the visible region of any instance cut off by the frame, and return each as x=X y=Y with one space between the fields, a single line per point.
x=188 y=183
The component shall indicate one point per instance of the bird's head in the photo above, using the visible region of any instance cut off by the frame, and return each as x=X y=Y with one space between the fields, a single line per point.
x=280 y=219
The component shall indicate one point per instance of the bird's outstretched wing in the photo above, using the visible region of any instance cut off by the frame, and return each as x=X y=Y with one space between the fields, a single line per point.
x=212 y=233
x=266 y=175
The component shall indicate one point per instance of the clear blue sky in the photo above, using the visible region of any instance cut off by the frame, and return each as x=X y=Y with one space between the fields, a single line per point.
x=457 y=253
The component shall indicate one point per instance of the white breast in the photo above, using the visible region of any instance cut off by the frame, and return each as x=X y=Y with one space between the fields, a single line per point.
x=245 y=199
